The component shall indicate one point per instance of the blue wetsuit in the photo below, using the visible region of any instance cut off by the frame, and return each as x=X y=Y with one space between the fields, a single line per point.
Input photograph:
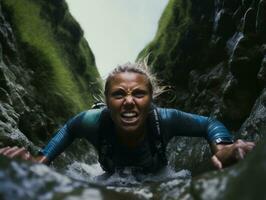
x=173 y=123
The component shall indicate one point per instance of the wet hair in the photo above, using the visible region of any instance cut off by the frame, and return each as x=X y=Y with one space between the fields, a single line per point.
x=140 y=67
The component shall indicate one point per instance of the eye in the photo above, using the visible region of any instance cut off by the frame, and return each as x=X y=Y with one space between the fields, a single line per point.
x=139 y=93
x=118 y=94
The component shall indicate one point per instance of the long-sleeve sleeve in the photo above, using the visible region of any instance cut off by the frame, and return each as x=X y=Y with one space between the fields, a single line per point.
x=84 y=125
x=178 y=123
x=62 y=139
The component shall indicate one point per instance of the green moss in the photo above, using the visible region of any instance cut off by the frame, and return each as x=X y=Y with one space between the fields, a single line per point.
x=56 y=58
x=162 y=50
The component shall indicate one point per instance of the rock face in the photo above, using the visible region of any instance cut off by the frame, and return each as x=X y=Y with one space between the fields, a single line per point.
x=246 y=179
x=212 y=55
x=47 y=70
x=47 y=75
x=21 y=180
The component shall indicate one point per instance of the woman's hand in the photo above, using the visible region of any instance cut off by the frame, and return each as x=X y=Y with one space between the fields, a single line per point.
x=228 y=154
x=22 y=153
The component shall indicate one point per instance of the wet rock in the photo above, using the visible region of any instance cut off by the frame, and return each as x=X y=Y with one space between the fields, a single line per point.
x=237 y=103
x=232 y=5
x=232 y=43
x=9 y=132
x=213 y=88
x=255 y=125
x=175 y=189
x=240 y=67
x=246 y=59
x=261 y=19
x=236 y=182
x=247 y=3
x=7 y=39
x=225 y=26
x=237 y=16
x=34 y=125
x=4 y=96
x=21 y=180
x=249 y=26
x=196 y=159
x=239 y=53
x=262 y=73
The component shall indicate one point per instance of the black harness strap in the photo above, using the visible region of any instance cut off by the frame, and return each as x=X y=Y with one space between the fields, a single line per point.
x=157 y=141
x=105 y=149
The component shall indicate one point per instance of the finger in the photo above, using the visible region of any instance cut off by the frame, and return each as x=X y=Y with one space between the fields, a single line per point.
x=239 y=142
x=26 y=156
x=245 y=146
x=248 y=148
x=2 y=150
x=10 y=151
x=242 y=144
x=216 y=162
x=240 y=154
x=18 y=152
x=251 y=143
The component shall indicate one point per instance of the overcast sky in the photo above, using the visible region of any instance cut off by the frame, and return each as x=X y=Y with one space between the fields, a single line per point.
x=117 y=30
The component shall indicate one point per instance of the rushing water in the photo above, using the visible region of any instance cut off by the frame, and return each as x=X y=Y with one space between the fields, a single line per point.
x=24 y=180
x=126 y=181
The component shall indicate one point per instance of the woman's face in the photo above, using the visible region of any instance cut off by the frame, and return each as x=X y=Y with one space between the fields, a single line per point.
x=129 y=99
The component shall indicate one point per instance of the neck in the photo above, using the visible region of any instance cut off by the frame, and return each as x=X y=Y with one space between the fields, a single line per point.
x=131 y=139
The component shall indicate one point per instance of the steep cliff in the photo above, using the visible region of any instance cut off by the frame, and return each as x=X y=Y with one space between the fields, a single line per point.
x=47 y=70
x=211 y=54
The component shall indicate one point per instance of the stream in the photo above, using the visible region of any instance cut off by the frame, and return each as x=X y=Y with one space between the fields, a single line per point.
x=25 y=180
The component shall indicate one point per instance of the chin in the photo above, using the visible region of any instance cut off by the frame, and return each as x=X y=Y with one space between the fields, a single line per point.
x=129 y=129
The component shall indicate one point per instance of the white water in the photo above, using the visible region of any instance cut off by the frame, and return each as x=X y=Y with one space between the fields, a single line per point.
x=233 y=42
x=140 y=185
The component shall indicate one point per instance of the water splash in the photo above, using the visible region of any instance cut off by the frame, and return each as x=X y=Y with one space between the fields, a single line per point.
x=232 y=43
x=128 y=182
x=83 y=171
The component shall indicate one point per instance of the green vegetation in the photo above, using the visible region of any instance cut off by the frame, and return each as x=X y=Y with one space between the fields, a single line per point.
x=65 y=75
x=162 y=50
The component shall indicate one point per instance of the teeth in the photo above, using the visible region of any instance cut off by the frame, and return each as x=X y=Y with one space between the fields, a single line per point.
x=129 y=114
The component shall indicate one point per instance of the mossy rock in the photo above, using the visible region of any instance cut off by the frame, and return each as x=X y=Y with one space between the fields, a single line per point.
x=64 y=70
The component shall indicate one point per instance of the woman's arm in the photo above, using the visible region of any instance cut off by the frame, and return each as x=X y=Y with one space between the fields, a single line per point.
x=178 y=123
x=61 y=140
x=82 y=125
x=225 y=150
x=227 y=154
x=16 y=152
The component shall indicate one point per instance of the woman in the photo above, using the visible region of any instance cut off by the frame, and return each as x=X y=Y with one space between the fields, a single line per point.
x=132 y=132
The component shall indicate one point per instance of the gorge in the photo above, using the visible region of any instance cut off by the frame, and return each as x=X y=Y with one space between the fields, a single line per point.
x=211 y=55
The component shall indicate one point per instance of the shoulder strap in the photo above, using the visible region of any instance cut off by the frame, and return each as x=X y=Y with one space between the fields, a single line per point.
x=156 y=136
x=105 y=150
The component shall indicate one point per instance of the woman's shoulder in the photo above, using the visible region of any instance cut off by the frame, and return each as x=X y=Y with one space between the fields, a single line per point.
x=86 y=119
x=167 y=113
x=91 y=117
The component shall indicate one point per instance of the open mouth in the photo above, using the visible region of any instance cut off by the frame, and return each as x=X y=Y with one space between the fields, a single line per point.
x=129 y=117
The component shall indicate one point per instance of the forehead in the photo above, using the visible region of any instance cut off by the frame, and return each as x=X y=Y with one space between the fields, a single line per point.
x=129 y=80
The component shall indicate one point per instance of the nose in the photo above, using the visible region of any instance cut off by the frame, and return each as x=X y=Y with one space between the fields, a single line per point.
x=129 y=100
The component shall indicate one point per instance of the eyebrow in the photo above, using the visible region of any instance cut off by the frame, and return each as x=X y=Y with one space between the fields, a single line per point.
x=137 y=87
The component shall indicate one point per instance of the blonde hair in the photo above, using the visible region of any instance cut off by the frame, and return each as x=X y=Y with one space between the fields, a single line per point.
x=139 y=67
